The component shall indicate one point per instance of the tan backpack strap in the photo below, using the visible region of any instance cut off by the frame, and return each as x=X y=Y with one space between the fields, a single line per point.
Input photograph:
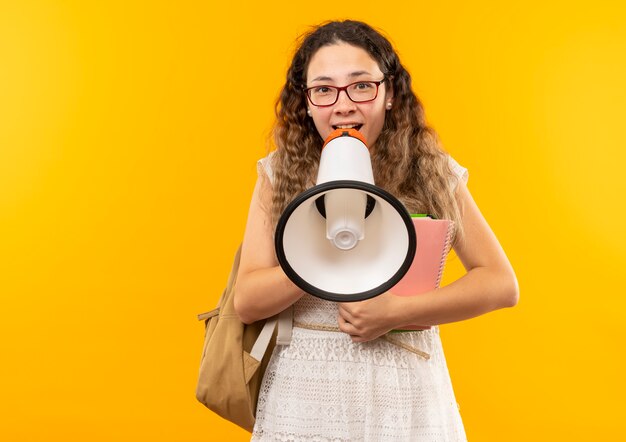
x=285 y=324
x=206 y=315
x=235 y=269
x=229 y=287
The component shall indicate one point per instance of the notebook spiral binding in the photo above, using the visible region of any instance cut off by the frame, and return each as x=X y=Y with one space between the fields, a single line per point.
x=444 y=255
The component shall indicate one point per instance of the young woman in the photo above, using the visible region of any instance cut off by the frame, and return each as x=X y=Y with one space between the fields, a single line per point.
x=336 y=380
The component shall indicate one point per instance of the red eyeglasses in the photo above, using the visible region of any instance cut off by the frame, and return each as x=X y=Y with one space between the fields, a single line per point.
x=358 y=92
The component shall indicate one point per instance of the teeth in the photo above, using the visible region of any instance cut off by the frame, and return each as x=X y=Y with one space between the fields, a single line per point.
x=347 y=126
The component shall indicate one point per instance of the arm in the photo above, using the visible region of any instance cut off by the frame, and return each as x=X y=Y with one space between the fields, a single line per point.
x=262 y=289
x=489 y=284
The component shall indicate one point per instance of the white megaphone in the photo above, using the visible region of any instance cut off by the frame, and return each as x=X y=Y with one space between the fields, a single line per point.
x=345 y=239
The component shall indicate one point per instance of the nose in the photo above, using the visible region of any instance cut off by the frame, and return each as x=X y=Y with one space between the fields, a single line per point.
x=344 y=104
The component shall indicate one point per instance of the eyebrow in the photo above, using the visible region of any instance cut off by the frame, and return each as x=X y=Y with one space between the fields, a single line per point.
x=351 y=75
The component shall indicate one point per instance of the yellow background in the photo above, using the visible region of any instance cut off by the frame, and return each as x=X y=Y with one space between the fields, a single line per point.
x=128 y=138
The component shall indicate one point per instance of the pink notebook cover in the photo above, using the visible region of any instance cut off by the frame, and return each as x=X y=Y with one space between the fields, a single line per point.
x=433 y=244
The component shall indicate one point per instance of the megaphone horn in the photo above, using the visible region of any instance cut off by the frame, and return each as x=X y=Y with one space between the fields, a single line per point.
x=345 y=239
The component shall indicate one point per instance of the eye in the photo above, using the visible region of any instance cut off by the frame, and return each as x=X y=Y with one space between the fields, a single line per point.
x=321 y=90
x=363 y=86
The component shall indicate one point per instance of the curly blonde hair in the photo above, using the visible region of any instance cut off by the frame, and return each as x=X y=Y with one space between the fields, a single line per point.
x=407 y=160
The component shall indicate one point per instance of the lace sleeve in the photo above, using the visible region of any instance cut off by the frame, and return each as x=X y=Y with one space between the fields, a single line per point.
x=264 y=166
x=460 y=173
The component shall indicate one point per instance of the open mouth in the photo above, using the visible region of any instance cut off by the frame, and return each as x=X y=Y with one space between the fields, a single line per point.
x=348 y=126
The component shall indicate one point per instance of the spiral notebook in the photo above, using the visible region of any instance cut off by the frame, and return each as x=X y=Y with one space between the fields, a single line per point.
x=434 y=238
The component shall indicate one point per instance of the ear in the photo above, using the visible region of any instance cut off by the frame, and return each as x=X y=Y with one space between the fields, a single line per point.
x=388 y=100
x=389 y=91
x=388 y=96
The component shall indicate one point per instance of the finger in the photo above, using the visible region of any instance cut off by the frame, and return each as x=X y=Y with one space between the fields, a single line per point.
x=347 y=327
x=345 y=313
x=344 y=325
x=343 y=307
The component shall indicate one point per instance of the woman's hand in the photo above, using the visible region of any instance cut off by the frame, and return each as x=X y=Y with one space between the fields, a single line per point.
x=369 y=319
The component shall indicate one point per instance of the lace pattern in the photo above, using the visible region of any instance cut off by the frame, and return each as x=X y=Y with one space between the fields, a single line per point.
x=324 y=387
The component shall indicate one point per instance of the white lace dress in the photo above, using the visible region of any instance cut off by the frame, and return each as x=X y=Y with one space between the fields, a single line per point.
x=323 y=387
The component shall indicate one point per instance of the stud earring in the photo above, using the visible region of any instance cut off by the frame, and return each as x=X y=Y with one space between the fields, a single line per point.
x=308 y=112
x=388 y=105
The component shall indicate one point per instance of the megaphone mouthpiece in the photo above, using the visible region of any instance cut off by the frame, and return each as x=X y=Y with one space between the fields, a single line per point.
x=344 y=133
